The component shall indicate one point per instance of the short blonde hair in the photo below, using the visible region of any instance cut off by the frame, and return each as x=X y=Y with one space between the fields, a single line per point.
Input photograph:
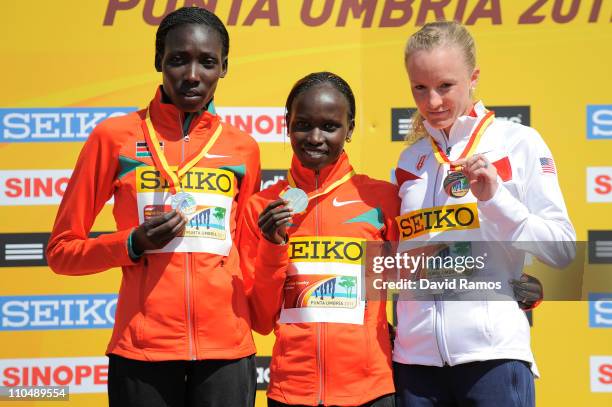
x=430 y=36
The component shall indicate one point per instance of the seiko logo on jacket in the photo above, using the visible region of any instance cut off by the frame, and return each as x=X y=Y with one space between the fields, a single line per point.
x=211 y=180
x=437 y=219
x=328 y=249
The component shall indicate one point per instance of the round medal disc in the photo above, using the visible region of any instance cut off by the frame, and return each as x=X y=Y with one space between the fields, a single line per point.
x=184 y=203
x=456 y=184
x=298 y=200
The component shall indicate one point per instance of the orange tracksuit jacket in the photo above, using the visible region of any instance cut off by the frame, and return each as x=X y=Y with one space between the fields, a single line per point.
x=186 y=304
x=321 y=362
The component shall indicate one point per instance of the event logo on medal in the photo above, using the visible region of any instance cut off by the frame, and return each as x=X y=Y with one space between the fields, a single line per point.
x=456 y=184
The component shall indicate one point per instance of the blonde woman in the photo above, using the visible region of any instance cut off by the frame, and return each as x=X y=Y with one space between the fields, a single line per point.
x=476 y=353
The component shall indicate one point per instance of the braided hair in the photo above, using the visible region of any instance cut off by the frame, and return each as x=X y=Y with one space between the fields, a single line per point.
x=184 y=16
x=320 y=78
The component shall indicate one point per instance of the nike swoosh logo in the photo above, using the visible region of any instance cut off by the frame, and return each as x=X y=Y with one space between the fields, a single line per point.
x=215 y=156
x=335 y=202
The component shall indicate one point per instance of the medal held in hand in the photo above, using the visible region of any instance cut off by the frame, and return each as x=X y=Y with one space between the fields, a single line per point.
x=456 y=184
x=296 y=198
x=184 y=203
x=180 y=201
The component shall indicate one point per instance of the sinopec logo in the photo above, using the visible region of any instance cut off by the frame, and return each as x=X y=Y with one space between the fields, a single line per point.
x=599 y=122
x=599 y=184
x=601 y=374
x=600 y=310
x=265 y=124
x=53 y=312
x=33 y=187
x=271 y=177
x=82 y=374
x=20 y=125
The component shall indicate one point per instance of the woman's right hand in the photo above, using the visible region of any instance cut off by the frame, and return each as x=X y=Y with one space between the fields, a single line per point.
x=273 y=221
x=158 y=231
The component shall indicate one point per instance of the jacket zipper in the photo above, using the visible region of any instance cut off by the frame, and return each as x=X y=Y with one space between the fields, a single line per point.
x=439 y=304
x=192 y=355
x=191 y=339
x=319 y=324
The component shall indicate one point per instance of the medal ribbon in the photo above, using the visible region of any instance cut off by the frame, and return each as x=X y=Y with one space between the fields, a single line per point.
x=173 y=178
x=472 y=143
x=327 y=190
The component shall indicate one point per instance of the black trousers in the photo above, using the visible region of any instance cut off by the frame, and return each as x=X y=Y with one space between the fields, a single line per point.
x=384 y=401
x=205 y=383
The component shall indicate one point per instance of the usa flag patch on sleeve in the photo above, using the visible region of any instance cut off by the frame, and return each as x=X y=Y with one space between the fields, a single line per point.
x=548 y=165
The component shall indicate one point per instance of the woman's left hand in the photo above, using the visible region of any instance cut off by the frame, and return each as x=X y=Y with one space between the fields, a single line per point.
x=481 y=175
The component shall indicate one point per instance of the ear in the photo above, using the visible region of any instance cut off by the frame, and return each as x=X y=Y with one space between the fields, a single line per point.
x=350 y=131
x=474 y=78
x=224 y=67
x=158 y=62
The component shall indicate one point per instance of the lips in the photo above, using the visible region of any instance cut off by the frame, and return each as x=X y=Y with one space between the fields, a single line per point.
x=315 y=152
x=443 y=112
x=191 y=94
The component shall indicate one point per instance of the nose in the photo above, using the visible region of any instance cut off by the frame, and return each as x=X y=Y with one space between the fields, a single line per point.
x=192 y=72
x=315 y=137
x=434 y=99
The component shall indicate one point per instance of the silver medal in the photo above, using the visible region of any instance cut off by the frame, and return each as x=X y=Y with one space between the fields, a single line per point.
x=183 y=202
x=296 y=198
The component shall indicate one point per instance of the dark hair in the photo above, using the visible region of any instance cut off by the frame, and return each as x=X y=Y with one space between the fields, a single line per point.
x=184 y=16
x=320 y=78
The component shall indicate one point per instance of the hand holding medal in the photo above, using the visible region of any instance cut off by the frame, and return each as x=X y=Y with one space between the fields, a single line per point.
x=480 y=174
x=470 y=171
x=158 y=231
x=274 y=219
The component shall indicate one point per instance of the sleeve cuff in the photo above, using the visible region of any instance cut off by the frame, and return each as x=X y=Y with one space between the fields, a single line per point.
x=133 y=256
x=274 y=257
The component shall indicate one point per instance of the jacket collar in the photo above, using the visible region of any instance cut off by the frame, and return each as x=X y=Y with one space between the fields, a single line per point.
x=168 y=120
x=307 y=180
x=461 y=129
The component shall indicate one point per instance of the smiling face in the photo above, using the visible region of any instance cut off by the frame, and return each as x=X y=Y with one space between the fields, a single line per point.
x=192 y=65
x=319 y=125
x=441 y=81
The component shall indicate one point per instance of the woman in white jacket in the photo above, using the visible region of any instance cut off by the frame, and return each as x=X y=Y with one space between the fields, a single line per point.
x=469 y=177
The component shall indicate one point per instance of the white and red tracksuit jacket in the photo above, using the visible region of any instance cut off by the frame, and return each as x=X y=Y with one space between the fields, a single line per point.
x=528 y=207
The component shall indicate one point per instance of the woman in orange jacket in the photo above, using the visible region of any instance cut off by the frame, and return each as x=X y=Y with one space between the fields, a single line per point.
x=180 y=179
x=303 y=267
